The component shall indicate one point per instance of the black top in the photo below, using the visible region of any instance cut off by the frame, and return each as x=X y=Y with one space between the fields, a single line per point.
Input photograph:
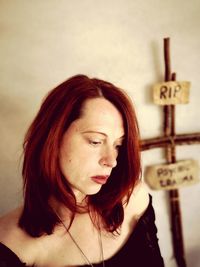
x=140 y=250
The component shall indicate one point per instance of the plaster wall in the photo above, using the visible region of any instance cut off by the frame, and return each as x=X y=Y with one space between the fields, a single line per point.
x=44 y=42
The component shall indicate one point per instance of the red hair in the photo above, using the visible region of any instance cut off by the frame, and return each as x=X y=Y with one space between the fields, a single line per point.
x=41 y=171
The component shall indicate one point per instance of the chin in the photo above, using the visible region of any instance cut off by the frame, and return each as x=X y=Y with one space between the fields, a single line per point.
x=93 y=191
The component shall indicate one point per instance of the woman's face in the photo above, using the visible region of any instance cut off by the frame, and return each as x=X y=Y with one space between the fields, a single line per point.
x=90 y=146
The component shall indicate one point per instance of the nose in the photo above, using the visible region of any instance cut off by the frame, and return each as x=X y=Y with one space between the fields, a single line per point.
x=109 y=158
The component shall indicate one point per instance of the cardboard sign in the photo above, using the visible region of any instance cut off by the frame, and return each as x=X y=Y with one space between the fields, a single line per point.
x=172 y=176
x=171 y=93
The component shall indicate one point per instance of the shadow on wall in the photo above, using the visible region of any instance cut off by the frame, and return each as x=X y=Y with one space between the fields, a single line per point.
x=193 y=256
x=12 y=111
x=12 y=116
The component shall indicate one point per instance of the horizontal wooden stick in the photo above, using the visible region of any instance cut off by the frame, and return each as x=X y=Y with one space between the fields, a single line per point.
x=179 y=139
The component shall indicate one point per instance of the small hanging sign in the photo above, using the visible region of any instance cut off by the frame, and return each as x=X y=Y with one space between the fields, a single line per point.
x=172 y=176
x=171 y=93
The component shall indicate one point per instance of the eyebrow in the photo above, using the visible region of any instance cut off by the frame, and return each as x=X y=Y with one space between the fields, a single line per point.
x=98 y=132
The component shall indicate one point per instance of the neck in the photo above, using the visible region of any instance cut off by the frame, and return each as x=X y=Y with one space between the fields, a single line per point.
x=64 y=212
x=79 y=196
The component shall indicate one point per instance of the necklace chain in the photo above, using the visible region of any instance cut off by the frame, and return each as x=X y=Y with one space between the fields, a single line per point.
x=79 y=248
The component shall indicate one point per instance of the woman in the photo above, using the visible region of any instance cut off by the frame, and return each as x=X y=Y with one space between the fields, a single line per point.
x=84 y=203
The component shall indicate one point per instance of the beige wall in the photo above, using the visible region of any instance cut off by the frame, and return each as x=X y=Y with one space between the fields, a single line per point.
x=44 y=42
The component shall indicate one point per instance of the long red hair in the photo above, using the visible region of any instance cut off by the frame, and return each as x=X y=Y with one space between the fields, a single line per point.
x=41 y=171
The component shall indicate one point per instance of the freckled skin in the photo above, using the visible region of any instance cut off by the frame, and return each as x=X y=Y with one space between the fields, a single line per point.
x=89 y=146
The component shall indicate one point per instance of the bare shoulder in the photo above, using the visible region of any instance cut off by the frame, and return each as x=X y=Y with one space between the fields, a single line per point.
x=12 y=235
x=9 y=224
x=139 y=201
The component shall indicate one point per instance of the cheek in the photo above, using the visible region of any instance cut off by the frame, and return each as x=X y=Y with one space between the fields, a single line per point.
x=71 y=162
x=65 y=161
x=68 y=168
x=77 y=158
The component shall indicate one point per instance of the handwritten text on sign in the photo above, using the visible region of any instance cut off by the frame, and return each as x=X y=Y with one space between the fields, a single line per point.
x=171 y=93
x=172 y=176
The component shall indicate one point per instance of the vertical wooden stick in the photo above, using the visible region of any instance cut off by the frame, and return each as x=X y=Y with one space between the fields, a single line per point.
x=167 y=109
x=169 y=130
x=173 y=127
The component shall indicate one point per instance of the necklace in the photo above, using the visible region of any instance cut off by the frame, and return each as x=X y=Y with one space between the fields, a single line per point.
x=79 y=248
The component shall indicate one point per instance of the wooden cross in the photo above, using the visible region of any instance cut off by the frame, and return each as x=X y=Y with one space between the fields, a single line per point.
x=169 y=141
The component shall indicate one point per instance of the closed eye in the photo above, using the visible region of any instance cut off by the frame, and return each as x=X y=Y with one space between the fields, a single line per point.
x=95 y=143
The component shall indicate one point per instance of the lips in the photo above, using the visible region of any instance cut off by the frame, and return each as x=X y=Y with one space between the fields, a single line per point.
x=100 y=179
